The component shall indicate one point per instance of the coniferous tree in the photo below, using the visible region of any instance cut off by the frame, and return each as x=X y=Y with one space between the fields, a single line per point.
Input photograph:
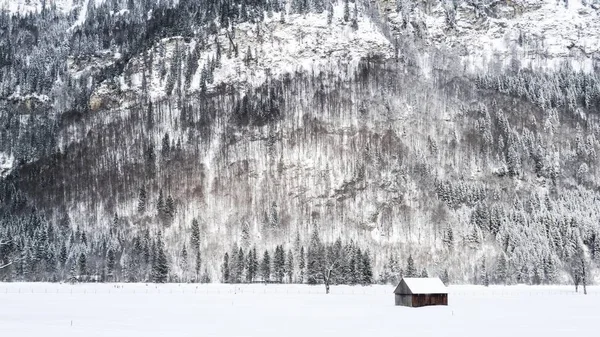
x=115 y=224
x=537 y=279
x=150 y=158
x=501 y=269
x=26 y=263
x=352 y=277
x=301 y=265
x=169 y=209
x=411 y=270
x=82 y=264
x=252 y=265
x=245 y=235
x=265 y=267
x=125 y=273
x=289 y=266
x=195 y=238
x=297 y=246
x=596 y=249
x=484 y=277
x=160 y=205
x=315 y=259
x=205 y=277
x=448 y=238
x=424 y=273
x=279 y=264
x=198 y=265
x=72 y=275
x=249 y=267
x=346 y=11
x=161 y=265
x=274 y=217
x=62 y=256
x=367 y=269
x=385 y=275
x=142 y=201
x=583 y=276
x=355 y=17
x=248 y=58
x=184 y=262
x=166 y=147
x=51 y=263
x=110 y=264
x=226 y=277
x=357 y=260
x=240 y=266
x=65 y=223
x=446 y=277
x=394 y=269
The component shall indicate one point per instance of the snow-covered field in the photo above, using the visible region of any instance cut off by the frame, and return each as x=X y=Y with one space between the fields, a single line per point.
x=257 y=310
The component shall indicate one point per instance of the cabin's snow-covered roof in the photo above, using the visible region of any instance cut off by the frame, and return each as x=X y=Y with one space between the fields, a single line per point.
x=423 y=285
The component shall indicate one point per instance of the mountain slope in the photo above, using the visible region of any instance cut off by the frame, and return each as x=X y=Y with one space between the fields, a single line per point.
x=463 y=136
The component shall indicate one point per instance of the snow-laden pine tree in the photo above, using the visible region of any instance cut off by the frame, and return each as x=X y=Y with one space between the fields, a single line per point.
x=265 y=267
x=279 y=264
x=289 y=267
x=301 y=266
x=240 y=266
x=225 y=271
x=198 y=265
x=501 y=270
x=411 y=270
x=195 y=236
x=160 y=268
x=445 y=277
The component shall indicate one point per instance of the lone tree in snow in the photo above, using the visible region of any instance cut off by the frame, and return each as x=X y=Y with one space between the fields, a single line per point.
x=323 y=263
x=578 y=270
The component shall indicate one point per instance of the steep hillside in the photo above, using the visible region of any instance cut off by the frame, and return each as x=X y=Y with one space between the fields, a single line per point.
x=137 y=135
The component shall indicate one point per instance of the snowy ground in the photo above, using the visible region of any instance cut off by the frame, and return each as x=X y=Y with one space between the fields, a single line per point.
x=257 y=310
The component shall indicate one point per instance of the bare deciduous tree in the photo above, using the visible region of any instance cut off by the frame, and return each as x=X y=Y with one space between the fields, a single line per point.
x=327 y=263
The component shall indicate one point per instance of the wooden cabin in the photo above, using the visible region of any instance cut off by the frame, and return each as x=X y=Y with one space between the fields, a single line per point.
x=421 y=291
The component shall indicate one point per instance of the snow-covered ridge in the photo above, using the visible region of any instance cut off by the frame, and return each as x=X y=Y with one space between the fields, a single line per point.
x=303 y=43
x=538 y=33
x=27 y=6
x=306 y=43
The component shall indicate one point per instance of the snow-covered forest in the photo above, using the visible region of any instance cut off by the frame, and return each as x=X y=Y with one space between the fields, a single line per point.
x=305 y=141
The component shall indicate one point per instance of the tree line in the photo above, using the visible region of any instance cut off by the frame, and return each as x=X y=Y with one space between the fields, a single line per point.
x=321 y=263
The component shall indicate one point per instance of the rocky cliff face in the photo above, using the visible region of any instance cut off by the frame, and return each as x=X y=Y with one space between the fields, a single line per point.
x=461 y=133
